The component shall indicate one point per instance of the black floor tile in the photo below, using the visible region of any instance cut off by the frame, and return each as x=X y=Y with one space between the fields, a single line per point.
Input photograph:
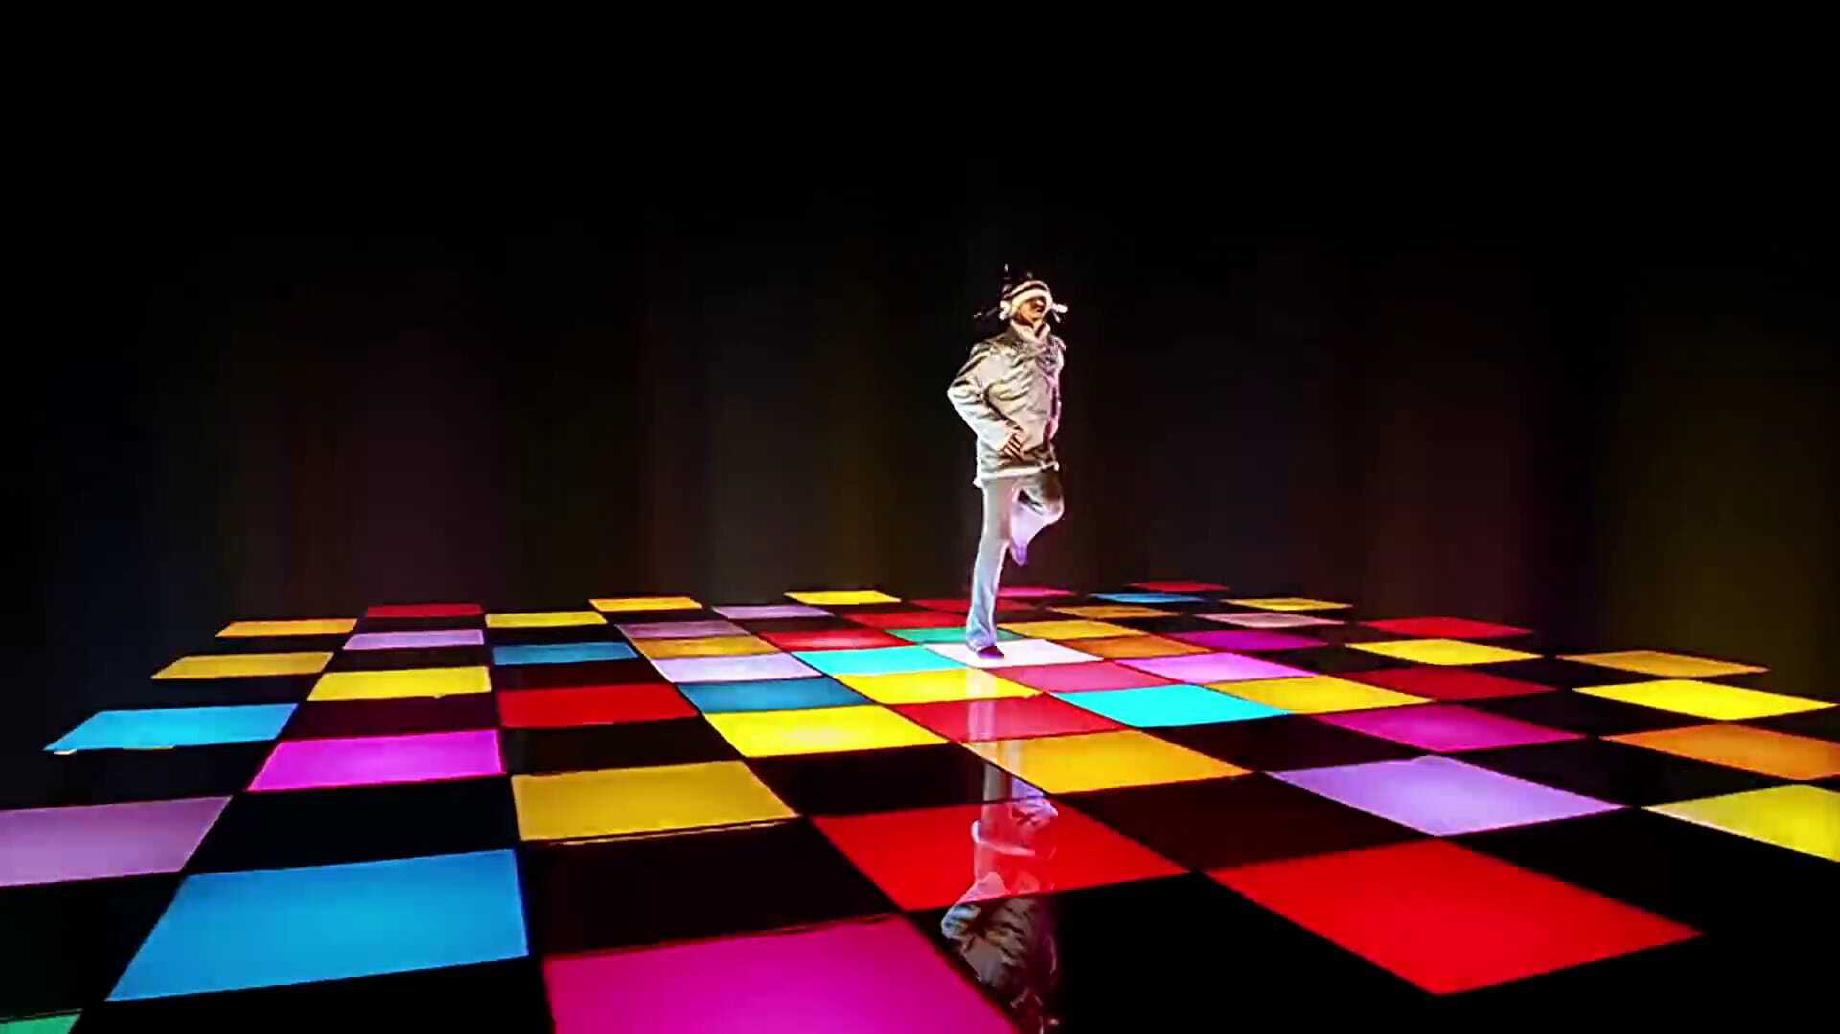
x=1820 y=725
x=397 y=660
x=884 y=780
x=634 y=745
x=262 y=689
x=63 y=945
x=330 y=719
x=642 y=890
x=1284 y=743
x=1223 y=822
x=579 y=673
x=1581 y=712
x=1337 y=660
x=1617 y=772
x=42 y=779
x=1559 y=673
x=358 y=824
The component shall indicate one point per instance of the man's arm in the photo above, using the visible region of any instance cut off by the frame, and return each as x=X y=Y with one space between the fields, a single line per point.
x=968 y=393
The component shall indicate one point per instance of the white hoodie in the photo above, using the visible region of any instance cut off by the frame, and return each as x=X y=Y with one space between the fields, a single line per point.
x=1010 y=382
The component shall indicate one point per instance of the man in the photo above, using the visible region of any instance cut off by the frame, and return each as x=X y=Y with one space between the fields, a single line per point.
x=1009 y=392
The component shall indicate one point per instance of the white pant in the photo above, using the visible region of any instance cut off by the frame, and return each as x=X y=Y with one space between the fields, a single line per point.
x=1015 y=510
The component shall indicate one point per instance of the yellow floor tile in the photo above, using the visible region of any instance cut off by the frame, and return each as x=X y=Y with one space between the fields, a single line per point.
x=1138 y=646
x=1800 y=818
x=1069 y=629
x=1096 y=761
x=1444 y=651
x=842 y=597
x=1112 y=610
x=1288 y=603
x=545 y=619
x=762 y=734
x=704 y=646
x=925 y=687
x=1741 y=746
x=1664 y=665
x=406 y=682
x=1704 y=699
x=625 y=604
x=298 y=626
x=1316 y=694
x=245 y=665
x=622 y=801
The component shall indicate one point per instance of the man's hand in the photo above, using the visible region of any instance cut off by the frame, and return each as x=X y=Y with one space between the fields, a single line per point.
x=1014 y=448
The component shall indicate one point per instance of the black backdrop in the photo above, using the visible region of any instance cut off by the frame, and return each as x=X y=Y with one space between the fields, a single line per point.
x=1608 y=413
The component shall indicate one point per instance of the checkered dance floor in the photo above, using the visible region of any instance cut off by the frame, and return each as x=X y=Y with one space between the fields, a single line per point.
x=1169 y=804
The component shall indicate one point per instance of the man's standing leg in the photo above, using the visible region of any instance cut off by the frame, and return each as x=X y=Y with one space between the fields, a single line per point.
x=981 y=618
x=1037 y=505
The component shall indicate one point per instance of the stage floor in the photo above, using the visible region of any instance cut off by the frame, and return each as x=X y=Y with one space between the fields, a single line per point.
x=1170 y=804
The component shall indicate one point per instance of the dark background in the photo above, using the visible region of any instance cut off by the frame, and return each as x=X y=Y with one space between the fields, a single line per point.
x=1598 y=401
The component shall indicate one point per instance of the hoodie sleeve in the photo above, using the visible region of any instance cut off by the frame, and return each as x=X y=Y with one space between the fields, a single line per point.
x=969 y=393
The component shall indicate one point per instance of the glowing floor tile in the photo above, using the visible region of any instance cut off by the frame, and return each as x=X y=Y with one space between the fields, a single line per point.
x=1069 y=764
x=764 y=734
x=274 y=927
x=621 y=801
x=1267 y=620
x=592 y=705
x=429 y=640
x=376 y=760
x=1287 y=603
x=1200 y=668
x=891 y=620
x=1008 y=718
x=545 y=619
x=1022 y=651
x=1108 y=611
x=879 y=975
x=842 y=597
x=953 y=633
x=919 y=687
x=59 y=1024
x=705 y=646
x=890 y=660
x=1316 y=694
x=425 y=610
x=1070 y=629
x=1448 y=919
x=1800 y=818
x=1148 y=597
x=1032 y=592
x=834 y=639
x=1075 y=678
x=176 y=727
x=1443 y=651
x=636 y=604
x=1443 y=796
x=1446 y=628
x=56 y=845
x=1138 y=646
x=1447 y=728
x=1157 y=706
x=1448 y=683
x=1247 y=640
x=245 y=665
x=561 y=653
x=1180 y=585
x=770 y=695
x=761 y=611
x=298 y=626
x=744 y=668
x=1664 y=665
x=679 y=629
x=930 y=857
x=1704 y=699
x=960 y=604
x=1741 y=746
x=405 y=682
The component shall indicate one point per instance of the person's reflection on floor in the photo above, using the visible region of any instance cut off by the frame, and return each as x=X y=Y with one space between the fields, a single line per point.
x=1007 y=938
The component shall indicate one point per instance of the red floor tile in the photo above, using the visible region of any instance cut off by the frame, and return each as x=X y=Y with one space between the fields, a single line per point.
x=833 y=639
x=1441 y=682
x=1006 y=718
x=592 y=705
